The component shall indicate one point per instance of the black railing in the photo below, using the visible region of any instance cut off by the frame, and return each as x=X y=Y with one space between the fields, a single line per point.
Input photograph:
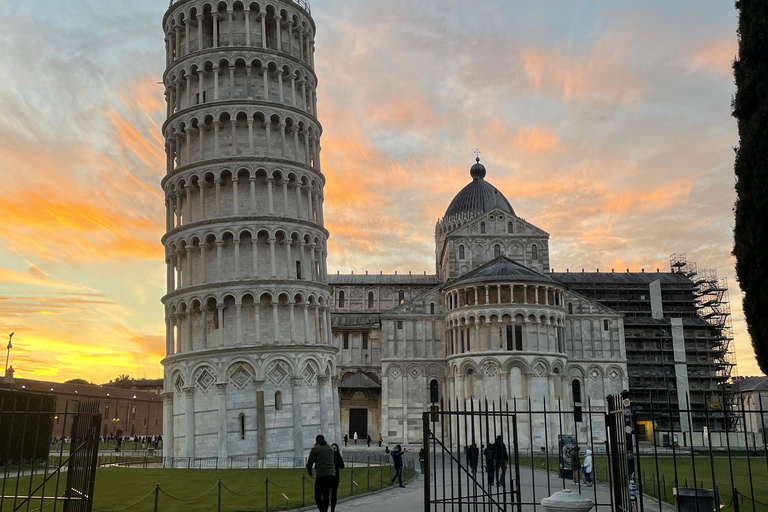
x=31 y=473
x=636 y=465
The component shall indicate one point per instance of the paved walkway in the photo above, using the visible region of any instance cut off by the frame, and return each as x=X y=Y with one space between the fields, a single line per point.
x=411 y=498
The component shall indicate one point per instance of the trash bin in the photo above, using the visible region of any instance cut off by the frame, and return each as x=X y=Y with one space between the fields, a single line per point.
x=694 y=500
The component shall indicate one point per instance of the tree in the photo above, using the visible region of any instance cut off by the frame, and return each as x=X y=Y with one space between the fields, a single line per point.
x=76 y=381
x=750 y=108
x=122 y=378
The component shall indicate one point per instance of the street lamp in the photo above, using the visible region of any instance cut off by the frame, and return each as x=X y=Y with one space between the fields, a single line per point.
x=8 y=354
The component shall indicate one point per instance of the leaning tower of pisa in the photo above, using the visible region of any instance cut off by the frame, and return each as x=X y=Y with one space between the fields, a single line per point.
x=249 y=367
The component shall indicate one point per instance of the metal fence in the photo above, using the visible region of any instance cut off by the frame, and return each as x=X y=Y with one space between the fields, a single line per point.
x=30 y=473
x=636 y=466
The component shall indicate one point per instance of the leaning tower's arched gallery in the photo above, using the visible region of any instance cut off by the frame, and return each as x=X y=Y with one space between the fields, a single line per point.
x=265 y=350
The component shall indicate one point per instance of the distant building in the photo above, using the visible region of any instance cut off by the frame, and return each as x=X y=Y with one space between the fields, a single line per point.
x=134 y=413
x=752 y=394
x=149 y=385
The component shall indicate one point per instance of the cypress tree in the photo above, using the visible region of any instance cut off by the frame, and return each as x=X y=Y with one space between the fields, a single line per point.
x=750 y=108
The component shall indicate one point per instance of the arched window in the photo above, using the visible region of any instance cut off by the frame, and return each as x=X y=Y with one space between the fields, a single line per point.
x=370 y=300
x=434 y=394
x=278 y=401
x=534 y=252
x=241 y=425
x=341 y=299
x=570 y=308
x=482 y=227
x=509 y=227
x=401 y=296
x=461 y=252
x=496 y=251
x=469 y=383
x=431 y=308
x=576 y=386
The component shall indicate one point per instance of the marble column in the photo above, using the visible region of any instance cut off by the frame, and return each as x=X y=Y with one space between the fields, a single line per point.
x=189 y=421
x=298 y=428
x=221 y=391
x=168 y=424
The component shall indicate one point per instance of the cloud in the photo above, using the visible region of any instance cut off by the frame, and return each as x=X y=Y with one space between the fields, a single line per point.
x=715 y=56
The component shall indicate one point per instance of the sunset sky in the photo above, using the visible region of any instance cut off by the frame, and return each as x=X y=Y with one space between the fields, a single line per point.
x=605 y=123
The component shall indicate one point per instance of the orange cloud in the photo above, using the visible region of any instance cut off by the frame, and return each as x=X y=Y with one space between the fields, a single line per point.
x=536 y=140
x=716 y=56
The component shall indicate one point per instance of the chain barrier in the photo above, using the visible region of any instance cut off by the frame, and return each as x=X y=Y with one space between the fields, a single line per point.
x=753 y=501
x=189 y=499
x=278 y=486
x=239 y=493
x=150 y=493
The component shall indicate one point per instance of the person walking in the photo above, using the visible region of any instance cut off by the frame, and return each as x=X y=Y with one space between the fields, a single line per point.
x=421 y=460
x=338 y=464
x=489 y=467
x=473 y=453
x=368 y=440
x=381 y=439
x=575 y=464
x=321 y=457
x=346 y=440
x=397 y=461
x=500 y=458
x=586 y=468
x=354 y=436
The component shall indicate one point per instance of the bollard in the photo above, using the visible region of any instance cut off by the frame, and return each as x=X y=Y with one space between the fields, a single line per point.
x=266 y=495
x=219 y=497
x=303 y=495
x=157 y=495
x=567 y=501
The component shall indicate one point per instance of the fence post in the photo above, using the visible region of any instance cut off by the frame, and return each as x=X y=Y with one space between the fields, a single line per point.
x=266 y=495
x=157 y=495
x=303 y=495
x=735 y=500
x=368 y=473
x=351 y=482
x=219 y=497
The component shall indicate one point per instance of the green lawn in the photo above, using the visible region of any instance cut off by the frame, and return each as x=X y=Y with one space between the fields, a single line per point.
x=654 y=486
x=242 y=489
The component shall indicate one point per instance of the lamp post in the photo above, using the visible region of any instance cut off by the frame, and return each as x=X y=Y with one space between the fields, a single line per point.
x=8 y=354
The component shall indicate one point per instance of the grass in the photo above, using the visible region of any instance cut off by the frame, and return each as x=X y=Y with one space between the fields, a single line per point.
x=660 y=482
x=242 y=489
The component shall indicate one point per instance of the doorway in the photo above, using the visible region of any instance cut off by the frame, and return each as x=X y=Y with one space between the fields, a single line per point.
x=358 y=422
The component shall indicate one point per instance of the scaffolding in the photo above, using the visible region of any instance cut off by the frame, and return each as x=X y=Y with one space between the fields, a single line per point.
x=714 y=307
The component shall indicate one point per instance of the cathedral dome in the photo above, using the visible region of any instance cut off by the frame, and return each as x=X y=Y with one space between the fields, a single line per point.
x=479 y=196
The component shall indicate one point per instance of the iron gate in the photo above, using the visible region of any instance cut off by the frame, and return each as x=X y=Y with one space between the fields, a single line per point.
x=501 y=456
x=31 y=472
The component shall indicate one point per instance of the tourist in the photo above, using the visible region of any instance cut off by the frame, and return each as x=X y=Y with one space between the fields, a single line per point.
x=368 y=440
x=354 y=436
x=381 y=439
x=473 y=453
x=321 y=456
x=500 y=458
x=338 y=464
x=397 y=460
x=386 y=450
x=488 y=453
x=575 y=464
x=421 y=460
x=346 y=440
x=586 y=468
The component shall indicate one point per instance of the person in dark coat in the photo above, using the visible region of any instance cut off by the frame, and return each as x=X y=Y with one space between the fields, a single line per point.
x=321 y=456
x=575 y=464
x=500 y=458
x=473 y=454
x=346 y=439
x=368 y=439
x=338 y=464
x=421 y=460
x=397 y=461
x=489 y=466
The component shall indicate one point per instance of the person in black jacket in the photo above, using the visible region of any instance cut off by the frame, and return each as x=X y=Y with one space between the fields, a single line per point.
x=500 y=458
x=338 y=463
x=473 y=453
x=397 y=460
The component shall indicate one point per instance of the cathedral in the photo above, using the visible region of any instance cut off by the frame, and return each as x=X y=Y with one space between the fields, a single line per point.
x=265 y=350
x=491 y=324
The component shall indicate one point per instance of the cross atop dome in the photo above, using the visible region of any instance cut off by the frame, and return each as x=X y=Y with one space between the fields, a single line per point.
x=477 y=171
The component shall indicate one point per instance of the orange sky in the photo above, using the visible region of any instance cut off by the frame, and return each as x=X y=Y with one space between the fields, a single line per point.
x=607 y=126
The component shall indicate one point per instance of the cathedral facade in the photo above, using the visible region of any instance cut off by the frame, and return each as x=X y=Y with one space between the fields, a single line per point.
x=490 y=325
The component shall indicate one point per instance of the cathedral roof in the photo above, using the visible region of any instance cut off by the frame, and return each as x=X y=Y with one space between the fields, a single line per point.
x=501 y=269
x=479 y=196
x=359 y=380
